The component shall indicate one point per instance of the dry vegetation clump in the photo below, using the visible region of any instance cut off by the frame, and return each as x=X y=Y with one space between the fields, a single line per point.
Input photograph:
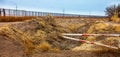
x=104 y=27
x=14 y=19
x=116 y=27
x=98 y=27
x=75 y=27
x=45 y=46
x=111 y=41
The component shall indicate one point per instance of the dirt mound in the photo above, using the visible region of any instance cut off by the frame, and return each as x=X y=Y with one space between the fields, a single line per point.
x=37 y=35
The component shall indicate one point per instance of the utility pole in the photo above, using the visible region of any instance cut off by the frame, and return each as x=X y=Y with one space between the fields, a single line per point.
x=16 y=8
x=63 y=13
x=89 y=14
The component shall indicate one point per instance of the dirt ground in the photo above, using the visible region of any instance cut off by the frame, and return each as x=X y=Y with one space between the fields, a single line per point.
x=13 y=49
x=77 y=54
x=9 y=48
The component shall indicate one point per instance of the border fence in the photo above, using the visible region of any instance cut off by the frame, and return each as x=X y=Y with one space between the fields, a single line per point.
x=15 y=12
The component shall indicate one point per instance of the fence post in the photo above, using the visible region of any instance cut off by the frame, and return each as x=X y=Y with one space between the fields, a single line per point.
x=38 y=13
x=35 y=13
x=24 y=13
x=14 y=12
x=32 y=13
x=0 y=11
x=4 y=12
x=9 y=12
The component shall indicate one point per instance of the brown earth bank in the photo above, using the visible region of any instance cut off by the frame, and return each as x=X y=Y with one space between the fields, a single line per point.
x=77 y=54
x=10 y=48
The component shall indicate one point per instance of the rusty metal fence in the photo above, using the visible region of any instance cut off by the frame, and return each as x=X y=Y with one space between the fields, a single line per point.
x=14 y=12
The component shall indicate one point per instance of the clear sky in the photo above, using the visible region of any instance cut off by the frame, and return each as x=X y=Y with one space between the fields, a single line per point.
x=84 y=7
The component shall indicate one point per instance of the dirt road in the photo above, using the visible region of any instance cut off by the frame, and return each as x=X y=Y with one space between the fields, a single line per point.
x=77 y=54
x=4 y=23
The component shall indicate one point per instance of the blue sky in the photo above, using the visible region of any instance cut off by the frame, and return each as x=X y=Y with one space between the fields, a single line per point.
x=84 y=7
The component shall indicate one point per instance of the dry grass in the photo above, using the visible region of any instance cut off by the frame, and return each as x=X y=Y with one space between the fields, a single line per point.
x=98 y=27
x=47 y=34
x=14 y=19
x=31 y=44
x=39 y=36
x=36 y=42
x=44 y=46
x=75 y=27
x=116 y=27
x=22 y=38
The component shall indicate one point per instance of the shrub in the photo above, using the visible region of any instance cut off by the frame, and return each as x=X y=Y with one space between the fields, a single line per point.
x=44 y=46
x=112 y=9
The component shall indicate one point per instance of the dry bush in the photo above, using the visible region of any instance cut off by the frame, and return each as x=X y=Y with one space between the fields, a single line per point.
x=39 y=36
x=14 y=19
x=116 y=27
x=112 y=9
x=44 y=46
